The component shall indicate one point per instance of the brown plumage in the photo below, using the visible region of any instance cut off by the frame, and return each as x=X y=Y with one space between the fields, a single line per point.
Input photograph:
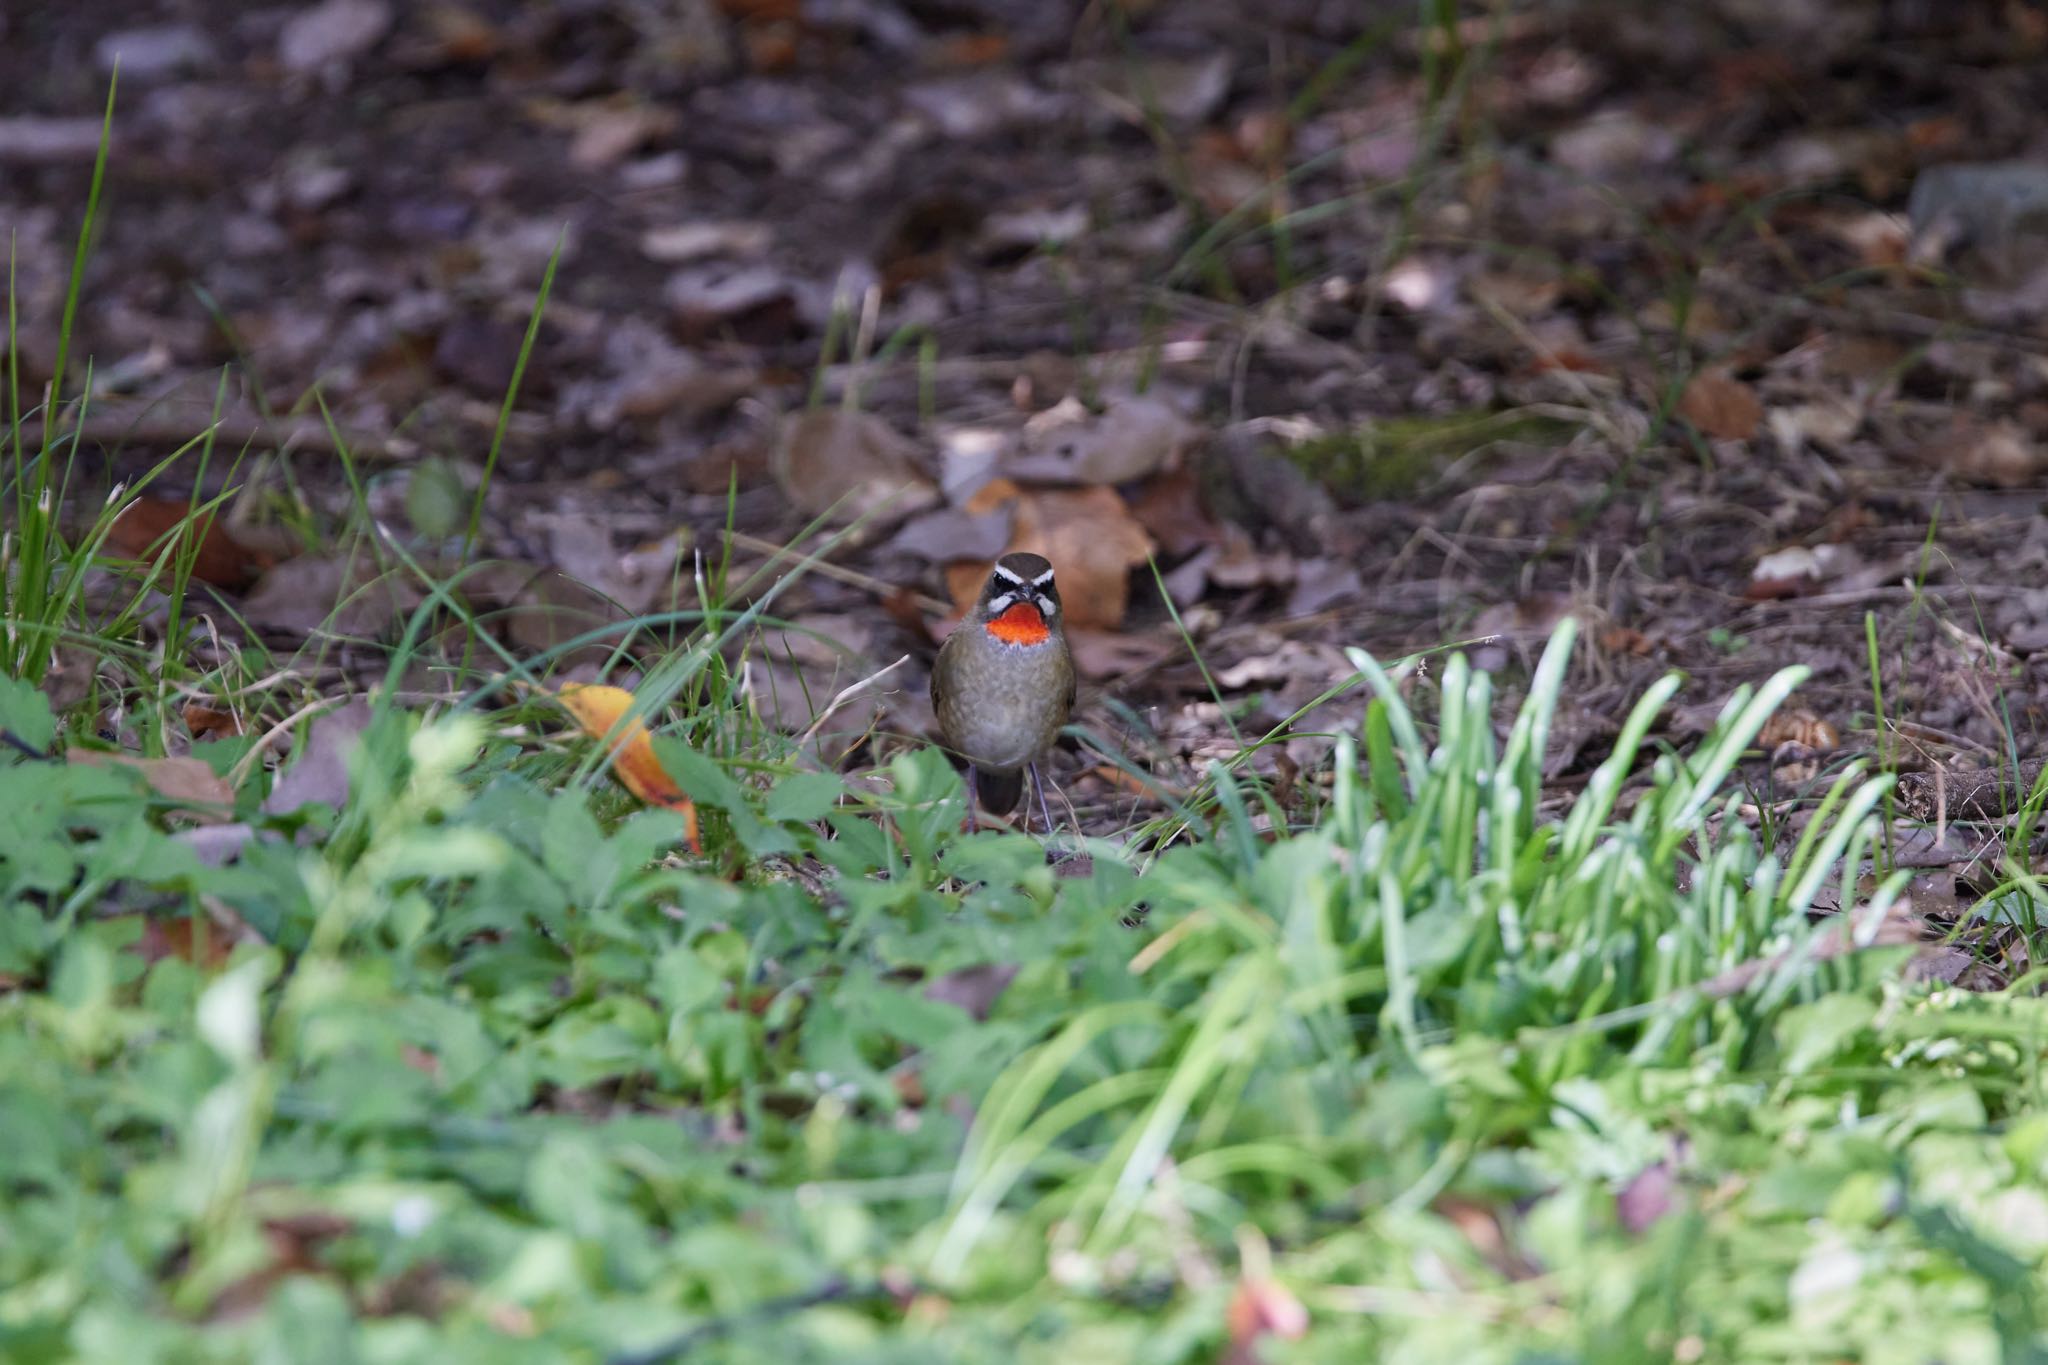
x=1003 y=683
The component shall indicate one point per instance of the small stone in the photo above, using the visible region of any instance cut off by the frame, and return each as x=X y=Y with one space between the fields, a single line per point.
x=331 y=34
x=155 y=52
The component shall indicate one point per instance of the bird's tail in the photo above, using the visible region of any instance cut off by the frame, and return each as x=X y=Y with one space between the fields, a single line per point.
x=998 y=791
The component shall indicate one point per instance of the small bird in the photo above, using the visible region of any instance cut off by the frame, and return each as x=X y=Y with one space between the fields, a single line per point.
x=1003 y=684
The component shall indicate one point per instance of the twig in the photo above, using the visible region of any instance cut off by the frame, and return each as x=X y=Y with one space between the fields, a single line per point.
x=833 y=571
x=1836 y=940
x=14 y=741
x=846 y=694
x=239 y=774
x=1982 y=794
x=175 y=426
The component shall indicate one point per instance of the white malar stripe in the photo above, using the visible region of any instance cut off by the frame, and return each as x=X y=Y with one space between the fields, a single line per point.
x=998 y=605
x=1012 y=577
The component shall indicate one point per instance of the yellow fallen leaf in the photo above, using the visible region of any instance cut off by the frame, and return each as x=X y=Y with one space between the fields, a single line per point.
x=599 y=709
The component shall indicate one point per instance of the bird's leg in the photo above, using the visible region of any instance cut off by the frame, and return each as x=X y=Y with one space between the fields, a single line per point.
x=973 y=825
x=1038 y=785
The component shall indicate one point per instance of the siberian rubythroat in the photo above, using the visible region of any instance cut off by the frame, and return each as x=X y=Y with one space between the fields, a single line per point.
x=1003 y=684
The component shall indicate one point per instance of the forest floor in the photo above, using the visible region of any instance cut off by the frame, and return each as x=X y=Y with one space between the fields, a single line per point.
x=1378 y=338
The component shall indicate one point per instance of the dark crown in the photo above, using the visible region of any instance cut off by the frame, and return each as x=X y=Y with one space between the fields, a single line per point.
x=1021 y=575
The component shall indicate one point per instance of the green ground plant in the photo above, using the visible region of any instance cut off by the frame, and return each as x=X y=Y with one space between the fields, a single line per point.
x=508 y=1079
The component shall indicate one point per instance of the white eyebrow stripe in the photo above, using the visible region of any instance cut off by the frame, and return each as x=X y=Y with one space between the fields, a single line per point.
x=1011 y=575
x=1042 y=579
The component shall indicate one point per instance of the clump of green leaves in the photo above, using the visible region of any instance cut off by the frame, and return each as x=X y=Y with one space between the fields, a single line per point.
x=506 y=1078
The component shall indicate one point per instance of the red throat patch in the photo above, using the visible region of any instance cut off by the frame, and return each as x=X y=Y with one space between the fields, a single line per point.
x=1021 y=624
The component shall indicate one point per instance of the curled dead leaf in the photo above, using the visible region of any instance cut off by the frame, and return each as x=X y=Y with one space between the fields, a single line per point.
x=206 y=722
x=1800 y=726
x=146 y=527
x=1127 y=440
x=1721 y=406
x=319 y=771
x=600 y=711
x=1626 y=640
x=1796 y=571
x=1104 y=654
x=852 y=461
x=182 y=939
x=1169 y=506
x=342 y=593
x=2001 y=454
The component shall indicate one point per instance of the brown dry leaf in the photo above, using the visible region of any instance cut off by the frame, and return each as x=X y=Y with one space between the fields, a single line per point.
x=319 y=772
x=1106 y=654
x=142 y=529
x=1089 y=536
x=1169 y=506
x=1129 y=439
x=599 y=709
x=608 y=133
x=909 y=1084
x=1828 y=423
x=181 y=937
x=763 y=11
x=1798 y=725
x=1704 y=318
x=1524 y=289
x=950 y=534
x=459 y=35
x=1124 y=783
x=754 y=301
x=185 y=782
x=1241 y=565
x=831 y=456
x=968 y=49
x=1613 y=144
x=2001 y=454
x=342 y=593
x=1721 y=406
x=1796 y=570
x=204 y=722
x=771 y=48
x=1182 y=90
x=974 y=989
x=1221 y=177
x=1626 y=640
x=542 y=609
